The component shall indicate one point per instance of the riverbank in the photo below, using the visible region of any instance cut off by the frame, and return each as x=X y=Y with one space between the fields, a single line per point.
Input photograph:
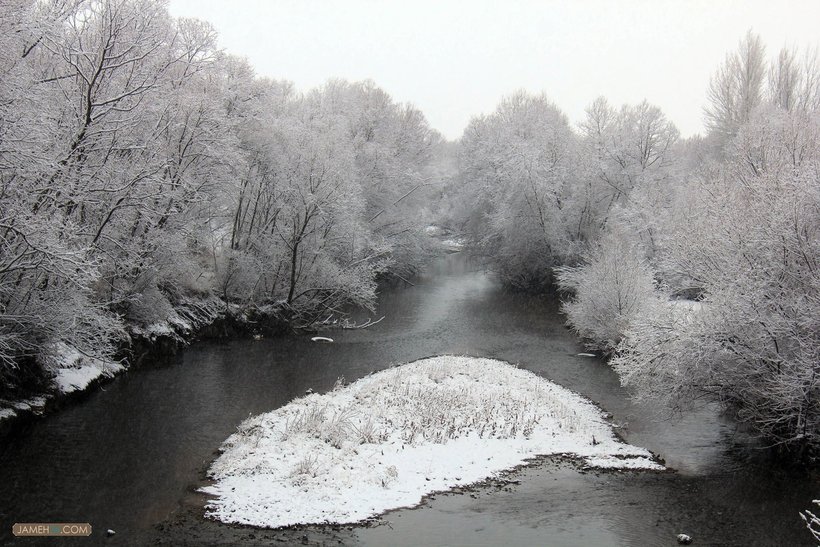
x=74 y=376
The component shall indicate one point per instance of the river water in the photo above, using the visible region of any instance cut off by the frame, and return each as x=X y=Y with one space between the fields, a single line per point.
x=129 y=457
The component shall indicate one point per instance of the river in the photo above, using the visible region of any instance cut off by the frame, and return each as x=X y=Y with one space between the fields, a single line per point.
x=130 y=456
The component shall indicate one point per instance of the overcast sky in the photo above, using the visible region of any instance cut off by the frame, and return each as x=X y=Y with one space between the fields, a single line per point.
x=456 y=59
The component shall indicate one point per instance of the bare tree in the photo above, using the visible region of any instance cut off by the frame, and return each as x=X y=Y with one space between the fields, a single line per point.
x=736 y=88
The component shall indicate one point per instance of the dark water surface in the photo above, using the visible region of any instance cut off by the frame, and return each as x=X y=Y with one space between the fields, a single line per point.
x=129 y=456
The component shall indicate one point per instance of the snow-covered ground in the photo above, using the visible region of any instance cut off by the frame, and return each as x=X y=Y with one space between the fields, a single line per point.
x=686 y=305
x=73 y=371
x=188 y=316
x=69 y=380
x=392 y=437
x=9 y=409
x=70 y=371
x=454 y=244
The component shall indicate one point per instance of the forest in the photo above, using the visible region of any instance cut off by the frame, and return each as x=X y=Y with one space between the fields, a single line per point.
x=150 y=181
x=693 y=262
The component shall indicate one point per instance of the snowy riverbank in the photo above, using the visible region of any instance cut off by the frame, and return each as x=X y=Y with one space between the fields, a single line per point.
x=391 y=438
x=70 y=373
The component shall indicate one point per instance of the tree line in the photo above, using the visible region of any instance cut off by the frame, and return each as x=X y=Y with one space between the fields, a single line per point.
x=692 y=262
x=147 y=177
x=144 y=172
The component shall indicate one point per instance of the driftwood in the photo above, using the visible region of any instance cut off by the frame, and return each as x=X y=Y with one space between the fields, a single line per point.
x=347 y=324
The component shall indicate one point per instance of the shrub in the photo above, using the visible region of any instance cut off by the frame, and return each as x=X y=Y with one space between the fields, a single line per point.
x=610 y=291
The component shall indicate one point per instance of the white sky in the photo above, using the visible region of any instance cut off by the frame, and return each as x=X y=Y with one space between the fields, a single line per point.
x=455 y=59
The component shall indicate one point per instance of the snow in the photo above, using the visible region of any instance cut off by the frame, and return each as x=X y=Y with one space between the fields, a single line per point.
x=28 y=404
x=684 y=310
x=159 y=329
x=170 y=327
x=686 y=306
x=454 y=244
x=73 y=371
x=389 y=439
x=34 y=404
x=615 y=462
x=74 y=379
x=186 y=317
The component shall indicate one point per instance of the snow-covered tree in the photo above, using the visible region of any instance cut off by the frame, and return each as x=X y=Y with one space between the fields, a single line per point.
x=517 y=164
x=141 y=168
x=300 y=235
x=753 y=253
x=794 y=83
x=613 y=287
x=736 y=88
x=392 y=144
x=627 y=166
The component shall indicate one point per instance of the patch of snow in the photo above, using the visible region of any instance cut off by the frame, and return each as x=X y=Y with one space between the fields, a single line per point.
x=65 y=356
x=35 y=404
x=69 y=380
x=686 y=305
x=7 y=413
x=28 y=404
x=388 y=439
x=163 y=328
x=612 y=462
x=180 y=323
x=73 y=371
x=455 y=244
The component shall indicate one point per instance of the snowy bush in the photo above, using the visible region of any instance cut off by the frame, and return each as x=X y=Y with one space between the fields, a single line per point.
x=613 y=288
x=754 y=252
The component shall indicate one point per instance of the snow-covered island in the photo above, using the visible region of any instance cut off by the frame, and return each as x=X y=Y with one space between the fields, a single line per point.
x=387 y=440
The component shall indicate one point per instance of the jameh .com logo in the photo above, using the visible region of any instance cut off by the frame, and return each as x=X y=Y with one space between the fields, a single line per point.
x=51 y=529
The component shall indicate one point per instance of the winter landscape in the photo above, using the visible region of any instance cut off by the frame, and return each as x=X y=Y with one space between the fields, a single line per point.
x=378 y=274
